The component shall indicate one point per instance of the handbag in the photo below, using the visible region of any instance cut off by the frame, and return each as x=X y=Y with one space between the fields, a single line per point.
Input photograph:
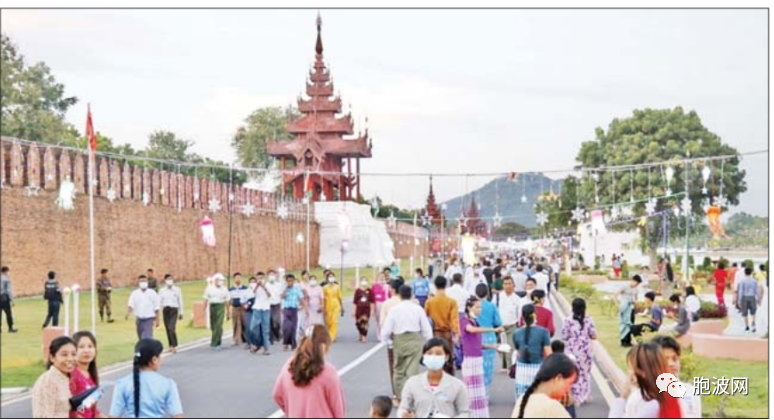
x=86 y=399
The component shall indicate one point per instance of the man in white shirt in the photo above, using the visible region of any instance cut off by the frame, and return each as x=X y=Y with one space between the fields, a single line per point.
x=455 y=268
x=171 y=301
x=408 y=329
x=508 y=305
x=475 y=279
x=217 y=297
x=144 y=304
x=261 y=314
x=555 y=267
x=541 y=278
x=458 y=293
x=275 y=309
x=520 y=281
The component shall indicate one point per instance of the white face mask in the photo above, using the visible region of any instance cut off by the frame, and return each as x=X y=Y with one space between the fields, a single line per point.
x=143 y=285
x=364 y=283
x=313 y=283
x=332 y=280
x=272 y=278
x=169 y=282
x=252 y=284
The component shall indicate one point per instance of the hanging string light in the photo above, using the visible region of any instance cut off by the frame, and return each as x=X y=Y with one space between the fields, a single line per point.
x=705 y=174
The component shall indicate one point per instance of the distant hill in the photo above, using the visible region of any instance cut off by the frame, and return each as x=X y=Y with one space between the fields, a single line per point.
x=510 y=206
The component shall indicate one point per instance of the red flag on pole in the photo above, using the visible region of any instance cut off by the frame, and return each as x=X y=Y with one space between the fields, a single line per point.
x=90 y=131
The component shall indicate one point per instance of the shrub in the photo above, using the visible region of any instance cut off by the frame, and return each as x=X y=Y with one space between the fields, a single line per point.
x=711 y=310
x=725 y=262
x=690 y=365
x=706 y=265
x=748 y=263
x=625 y=269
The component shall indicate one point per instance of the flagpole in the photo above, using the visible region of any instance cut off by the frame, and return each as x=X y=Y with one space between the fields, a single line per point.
x=91 y=228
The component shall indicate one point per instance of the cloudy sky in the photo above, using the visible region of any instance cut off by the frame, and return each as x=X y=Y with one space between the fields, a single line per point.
x=451 y=91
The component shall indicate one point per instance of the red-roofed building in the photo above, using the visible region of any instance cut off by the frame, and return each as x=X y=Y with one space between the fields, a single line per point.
x=320 y=147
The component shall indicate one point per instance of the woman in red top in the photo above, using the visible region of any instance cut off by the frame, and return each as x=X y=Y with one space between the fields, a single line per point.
x=544 y=316
x=85 y=375
x=720 y=276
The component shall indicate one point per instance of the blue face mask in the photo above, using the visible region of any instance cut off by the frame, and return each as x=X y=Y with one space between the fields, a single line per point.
x=433 y=362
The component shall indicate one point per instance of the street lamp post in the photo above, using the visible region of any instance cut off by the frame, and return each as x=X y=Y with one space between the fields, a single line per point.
x=687 y=212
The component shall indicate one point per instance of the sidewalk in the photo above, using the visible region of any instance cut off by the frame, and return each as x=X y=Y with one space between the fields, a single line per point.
x=735 y=321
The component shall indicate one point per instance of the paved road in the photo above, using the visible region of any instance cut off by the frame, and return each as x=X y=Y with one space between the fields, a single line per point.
x=234 y=383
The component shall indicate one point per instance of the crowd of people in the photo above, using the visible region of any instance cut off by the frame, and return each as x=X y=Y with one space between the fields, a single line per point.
x=467 y=324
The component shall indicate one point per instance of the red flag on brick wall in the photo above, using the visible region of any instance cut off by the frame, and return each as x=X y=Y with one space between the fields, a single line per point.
x=90 y=131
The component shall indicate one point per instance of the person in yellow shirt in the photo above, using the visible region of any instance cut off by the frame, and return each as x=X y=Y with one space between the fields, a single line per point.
x=334 y=309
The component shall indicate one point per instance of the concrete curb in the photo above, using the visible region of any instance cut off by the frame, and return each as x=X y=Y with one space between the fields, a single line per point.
x=615 y=376
x=26 y=393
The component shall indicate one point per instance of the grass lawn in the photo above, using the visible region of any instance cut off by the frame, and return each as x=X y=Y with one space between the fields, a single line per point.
x=21 y=362
x=754 y=405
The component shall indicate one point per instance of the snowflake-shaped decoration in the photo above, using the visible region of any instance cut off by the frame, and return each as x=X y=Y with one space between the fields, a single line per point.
x=523 y=198
x=462 y=220
x=32 y=190
x=578 y=214
x=214 y=205
x=248 y=209
x=669 y=191
x=443 y=206
x=704 y=190
x=15 y=173
x=282 y=211
x=49 y=177
x=146 y=198
x=392 y=219
x=615 y=212
x=162 y=191
x=426 y=219
x=542 y=218
x=196 y=197
x=627 y=211
x=498 y=220
x=650 y=206
x=2 y=184
x=686 y=206
x=231 y=197
x=111 y=194
x=720 y=201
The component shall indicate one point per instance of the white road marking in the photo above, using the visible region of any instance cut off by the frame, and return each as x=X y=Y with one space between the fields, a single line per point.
x=343 y=371
x=596 y=374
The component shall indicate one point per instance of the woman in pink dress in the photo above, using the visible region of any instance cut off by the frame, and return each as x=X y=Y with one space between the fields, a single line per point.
x=316 y=303
x=380 y=292
x=308 y=386
x=85 y=375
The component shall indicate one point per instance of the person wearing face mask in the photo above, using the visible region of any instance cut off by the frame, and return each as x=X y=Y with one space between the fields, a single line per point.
x=260 y=308
x=434 y=394
x=239 y=297
x=275 y=307
x=51 y=392
x=381 y=292
x=145 y=393
x=363 y=309
x=303 y=315
x=308 y=386
x=171 y=298
x=144 y=304
x=217 y=296
x=552 y=383
x=334 y=308
x=316 y=303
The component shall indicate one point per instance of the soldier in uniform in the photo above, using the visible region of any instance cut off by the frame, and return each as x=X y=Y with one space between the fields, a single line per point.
x=103 y=289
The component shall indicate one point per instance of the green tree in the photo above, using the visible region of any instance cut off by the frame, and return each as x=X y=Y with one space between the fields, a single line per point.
x=511 y=229
x=166 y=145
x=261 y=125
x=558 y=209
x=33 y=102
x=658 y=135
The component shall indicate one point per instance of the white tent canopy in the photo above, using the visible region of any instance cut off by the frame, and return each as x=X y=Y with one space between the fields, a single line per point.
x=367 y=241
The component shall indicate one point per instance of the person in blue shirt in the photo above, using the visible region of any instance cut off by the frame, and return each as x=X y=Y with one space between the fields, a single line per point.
x=488 y=318
x=293 y=299
x=421 y=286
x=656 y=316
x=146 y=393
x=394 y=270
